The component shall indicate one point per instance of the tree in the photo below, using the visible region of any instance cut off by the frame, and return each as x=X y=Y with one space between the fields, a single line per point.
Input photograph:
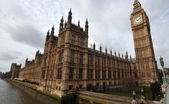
x=129 y=83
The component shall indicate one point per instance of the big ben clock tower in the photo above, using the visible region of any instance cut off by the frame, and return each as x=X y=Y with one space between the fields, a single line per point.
x=145 y=59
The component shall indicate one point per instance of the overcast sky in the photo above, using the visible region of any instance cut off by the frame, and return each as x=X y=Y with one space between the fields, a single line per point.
x=24 y=24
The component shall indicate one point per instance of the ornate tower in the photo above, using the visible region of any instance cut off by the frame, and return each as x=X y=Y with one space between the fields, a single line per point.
x=145 y=59
x=72 y=48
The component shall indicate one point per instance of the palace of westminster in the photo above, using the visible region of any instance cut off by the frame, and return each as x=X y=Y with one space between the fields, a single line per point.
x=68 y=63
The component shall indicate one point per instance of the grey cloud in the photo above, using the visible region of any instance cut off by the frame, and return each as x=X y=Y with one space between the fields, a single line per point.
x=9 y=55
x=109 y=22
x=27 y=34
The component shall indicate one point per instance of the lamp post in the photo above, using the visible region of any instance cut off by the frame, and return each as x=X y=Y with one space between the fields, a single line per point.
x=164 y=86
x=163 y=70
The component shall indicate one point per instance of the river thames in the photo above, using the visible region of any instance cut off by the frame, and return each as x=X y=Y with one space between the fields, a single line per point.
x=10 y=94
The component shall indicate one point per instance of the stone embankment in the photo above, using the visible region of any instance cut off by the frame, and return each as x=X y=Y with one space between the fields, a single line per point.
x=100 y=98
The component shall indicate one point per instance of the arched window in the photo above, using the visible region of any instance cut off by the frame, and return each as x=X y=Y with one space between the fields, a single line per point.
x=73 y=39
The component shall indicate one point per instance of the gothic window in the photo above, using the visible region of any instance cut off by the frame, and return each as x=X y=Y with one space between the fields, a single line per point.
x=103 y=62
x=90 y=74
x=135 y=74
x=70 y=87
x=110 y=83
x=80 y=86
x=81 y=42
x=43 y=74
x=141 y=65
x=97 y=85
x=45 y=61
x=59 y=76
x=147 y=65
x=80 y=73
x=109 y=74
x=62 y=39
x=98 y=61
x=61 y=57
x=72 y=57
x=114 y=75
x=122 y=75
x=143 y=74
x=148 y=74
x=109 y=63
x=90 y=60
x=71 y=73
x=73 y=39
x=118 y=74
x=81 y=58
x=97 y=74
x=104 y=74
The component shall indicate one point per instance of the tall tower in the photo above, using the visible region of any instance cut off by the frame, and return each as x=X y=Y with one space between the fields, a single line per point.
x=145 y=59
x=71 y=61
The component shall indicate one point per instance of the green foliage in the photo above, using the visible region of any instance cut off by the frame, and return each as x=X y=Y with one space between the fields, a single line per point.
x=159 y=97
x=128 y=92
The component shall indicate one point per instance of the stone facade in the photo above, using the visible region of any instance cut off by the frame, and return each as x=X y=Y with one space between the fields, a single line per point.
x=69 y=64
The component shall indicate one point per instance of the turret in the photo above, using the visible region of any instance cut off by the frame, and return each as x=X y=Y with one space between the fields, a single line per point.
x=106 y=51
x=126 y=56
x=69 y=19
x=94 y=47
x=78 y=24
x=111 y=52
x=37 y=54
x=61 y=24
x=26 y=59
x=86 y=27
x=47 y=36
x=119 y=55
x=52 y=33
x=100 y=49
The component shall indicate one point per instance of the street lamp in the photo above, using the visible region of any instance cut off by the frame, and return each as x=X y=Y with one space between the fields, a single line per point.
x=163 y=70
x=165 y=85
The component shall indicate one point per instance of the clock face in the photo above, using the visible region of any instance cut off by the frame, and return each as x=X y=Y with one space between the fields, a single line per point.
x=137 y=20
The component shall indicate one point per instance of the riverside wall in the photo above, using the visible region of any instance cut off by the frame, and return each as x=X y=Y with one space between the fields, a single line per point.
x=82 y=97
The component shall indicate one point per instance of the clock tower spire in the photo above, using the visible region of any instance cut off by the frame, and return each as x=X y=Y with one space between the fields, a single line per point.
x=145 y=59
